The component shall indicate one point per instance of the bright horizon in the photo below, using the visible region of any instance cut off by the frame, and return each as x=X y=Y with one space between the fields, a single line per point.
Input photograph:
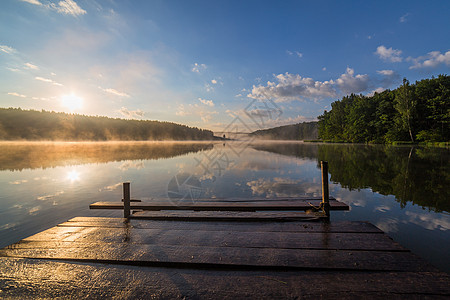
x=201 y=63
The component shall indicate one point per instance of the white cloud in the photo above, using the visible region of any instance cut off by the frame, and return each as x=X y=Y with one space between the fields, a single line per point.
x=48 y=80
x=16 y=94
x=293 y=87
x=348 y=83
x=299 y=54
x=68 y=7
x=214 y=81
x=206 y=102
x=431 y=60
x=31 y=66
x=197 y=68
x=35 y=2
x=386 y=72
x=196 y=110
x=389 y=54
x=403 y=18
x=390 y=77
x=7 y=49
x=377 y=90
x=115 y=92
x=132 y=114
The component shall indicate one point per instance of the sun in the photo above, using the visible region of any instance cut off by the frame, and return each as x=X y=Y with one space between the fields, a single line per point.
x=72 y=102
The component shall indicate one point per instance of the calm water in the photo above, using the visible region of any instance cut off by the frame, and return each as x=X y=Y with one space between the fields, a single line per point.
x=402 y=190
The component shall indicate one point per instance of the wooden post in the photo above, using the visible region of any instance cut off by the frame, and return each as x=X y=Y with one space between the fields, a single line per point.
x=126 y=199
x=325 y=193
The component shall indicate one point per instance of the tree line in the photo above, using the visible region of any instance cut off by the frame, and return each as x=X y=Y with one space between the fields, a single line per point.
x=300 y=131
x=18 y=124
x=418 y=112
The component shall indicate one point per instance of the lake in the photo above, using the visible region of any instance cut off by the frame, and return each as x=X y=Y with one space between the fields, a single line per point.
x=402 y=190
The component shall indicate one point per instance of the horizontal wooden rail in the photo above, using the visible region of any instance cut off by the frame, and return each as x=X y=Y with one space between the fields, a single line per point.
x=300 y=205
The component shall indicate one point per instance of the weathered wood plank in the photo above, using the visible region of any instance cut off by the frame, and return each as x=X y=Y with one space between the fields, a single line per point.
x=26 y=279
x=289 y=240
x=339 y=226
x=222 y=206
x=256 y=216
x=223 y=257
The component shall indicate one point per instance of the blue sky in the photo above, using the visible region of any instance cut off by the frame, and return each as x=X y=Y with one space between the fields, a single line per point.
x=201 y=63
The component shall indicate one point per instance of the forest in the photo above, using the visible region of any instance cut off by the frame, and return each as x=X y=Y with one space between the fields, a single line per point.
x=300 y=131
x=17 y=124
x=418 y=112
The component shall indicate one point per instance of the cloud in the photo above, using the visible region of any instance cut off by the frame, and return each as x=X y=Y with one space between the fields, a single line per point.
x=403 y=18
x=377 y=90
x=206 y=102
x=214 y=81
x=48 y=80
x=197 y=68
x=35 y=2
x=7 y=49
x=390 y=77
x=348 y=83
x=386 y=72
x=17 y=94
x=431 y=60
x=13 y=69
x=133 y=114
x=299 y=54
x=115 y=92
x=293 y=87
x=68 y=7
x=389 y=54
x=31 y=66
x=196 y=110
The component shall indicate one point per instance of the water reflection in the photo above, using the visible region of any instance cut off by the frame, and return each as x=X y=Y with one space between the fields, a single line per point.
x=412 y=174
x=32 y=155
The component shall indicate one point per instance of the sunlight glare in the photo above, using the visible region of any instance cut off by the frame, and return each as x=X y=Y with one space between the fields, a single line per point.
x=72 y=102
x=73 y=176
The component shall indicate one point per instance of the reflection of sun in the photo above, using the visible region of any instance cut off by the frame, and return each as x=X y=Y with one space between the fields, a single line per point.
x=72 y=102
x=73 y=176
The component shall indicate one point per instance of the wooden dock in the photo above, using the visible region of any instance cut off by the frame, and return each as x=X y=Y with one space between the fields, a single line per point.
x=166 y=259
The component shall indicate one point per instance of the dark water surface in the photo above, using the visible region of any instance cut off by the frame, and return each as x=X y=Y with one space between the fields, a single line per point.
x=402 y=190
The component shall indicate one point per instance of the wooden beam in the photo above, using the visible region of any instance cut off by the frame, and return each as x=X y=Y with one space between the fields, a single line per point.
x=223 y=206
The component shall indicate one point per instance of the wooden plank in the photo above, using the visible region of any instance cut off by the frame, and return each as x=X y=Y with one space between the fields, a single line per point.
x=256 y=216
x=338 y=226
x=287 y=240
x=26 y=278
x=223 y=257
x=252 y=199
x=222 y=206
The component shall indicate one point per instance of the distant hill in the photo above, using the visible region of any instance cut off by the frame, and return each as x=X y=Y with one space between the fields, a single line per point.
x=18 y=124
x=300 y=131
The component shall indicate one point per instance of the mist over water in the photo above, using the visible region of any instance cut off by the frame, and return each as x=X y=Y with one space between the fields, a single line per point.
x=402 y=190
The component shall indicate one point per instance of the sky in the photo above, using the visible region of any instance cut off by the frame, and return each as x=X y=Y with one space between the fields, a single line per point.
x=206 y=63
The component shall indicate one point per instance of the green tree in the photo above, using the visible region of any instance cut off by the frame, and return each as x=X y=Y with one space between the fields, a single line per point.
x=405 y=105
